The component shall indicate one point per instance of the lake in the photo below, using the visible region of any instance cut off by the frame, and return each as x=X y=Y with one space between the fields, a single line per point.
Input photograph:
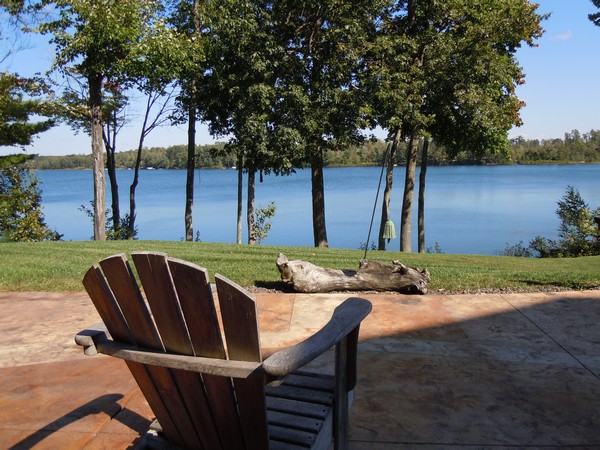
x=468 y=209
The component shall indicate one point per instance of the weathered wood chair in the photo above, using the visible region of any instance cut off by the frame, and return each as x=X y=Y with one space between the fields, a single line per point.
x=210 y=389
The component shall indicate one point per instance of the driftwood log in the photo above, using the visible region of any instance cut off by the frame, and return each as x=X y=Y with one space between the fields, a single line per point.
x=304 y=276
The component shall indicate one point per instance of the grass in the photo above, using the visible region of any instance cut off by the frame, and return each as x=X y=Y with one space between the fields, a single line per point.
x=59 y=266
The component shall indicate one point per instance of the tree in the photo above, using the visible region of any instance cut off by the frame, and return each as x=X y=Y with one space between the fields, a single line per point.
x=595 y=17
x=188 y=17
x=395 y=83
x=237 y=96
x=114 y=105
x=95 y=40
x=421 y=208
x=74 y=110
x=21 y=215
x=448 y=70
x=321 y=48
x=578 y=234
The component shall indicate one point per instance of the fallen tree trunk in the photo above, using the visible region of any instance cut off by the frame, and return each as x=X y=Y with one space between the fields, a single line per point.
x=371 y=276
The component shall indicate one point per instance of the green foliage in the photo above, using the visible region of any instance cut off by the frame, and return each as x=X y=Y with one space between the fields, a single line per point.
x=238 y=95
x=364 y=246
x=585 y=149
x=262 y=221
x=19 y=100
x=21 y=216
x=595 y=17
x=574 y=147
x=448 y=70
x=578 y=234
x=113 y=232
x=435 y=249
x=98 y=37
x=516 y=250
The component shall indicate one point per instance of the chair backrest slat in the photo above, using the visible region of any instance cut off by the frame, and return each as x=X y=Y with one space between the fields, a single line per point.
x=197 y=303
x=147 y=378
x=106 y=304
x=240 y=322
x=195 y=296
x=153 y=272
x=122 y=282
x=173 y=310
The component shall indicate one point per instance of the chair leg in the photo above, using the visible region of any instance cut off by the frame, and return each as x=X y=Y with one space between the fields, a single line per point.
x=340 y=404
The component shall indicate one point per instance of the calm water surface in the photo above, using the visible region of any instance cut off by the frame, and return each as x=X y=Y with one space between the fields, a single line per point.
x=469 y=209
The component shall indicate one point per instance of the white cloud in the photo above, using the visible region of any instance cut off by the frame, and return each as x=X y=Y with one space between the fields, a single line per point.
x=564 y=36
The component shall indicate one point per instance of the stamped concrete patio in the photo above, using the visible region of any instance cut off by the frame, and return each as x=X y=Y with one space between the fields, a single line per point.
x=435 y=371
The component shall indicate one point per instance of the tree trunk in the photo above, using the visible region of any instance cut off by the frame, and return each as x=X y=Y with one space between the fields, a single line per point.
x=371 y=275
x=387 y=193
x=318 y=200
x=95 y=86
x=110 y=143
x=191 y=167
x=191 y=144
x=250 y=206
x=421 y=211
x=240 y=169
x=138 y=160
x=409 y=190
x=132 y=187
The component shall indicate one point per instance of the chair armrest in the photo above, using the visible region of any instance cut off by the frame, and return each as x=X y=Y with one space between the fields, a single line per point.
x=346 y=318
x=87 y=338
x=95 y=340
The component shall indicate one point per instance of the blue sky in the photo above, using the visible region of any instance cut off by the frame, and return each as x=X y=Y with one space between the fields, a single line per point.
x=562 y=89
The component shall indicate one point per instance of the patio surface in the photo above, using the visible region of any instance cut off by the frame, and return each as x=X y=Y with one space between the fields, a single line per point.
x=435 y=371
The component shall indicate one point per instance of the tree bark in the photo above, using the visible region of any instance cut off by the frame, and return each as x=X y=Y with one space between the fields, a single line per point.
x=421 y=210
x=240 y=169
x=132 y=188
x=387 y=193
x=409 y=190
x=304 y=276
x=110 y=143
x=95 y=86
x=250 y=206
x=191 y=144
x=191 y=167
x=136 y=174
x=318 y=200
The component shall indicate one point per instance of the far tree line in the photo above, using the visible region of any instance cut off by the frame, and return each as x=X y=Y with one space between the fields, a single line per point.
x=575 y=147
x=288 y=83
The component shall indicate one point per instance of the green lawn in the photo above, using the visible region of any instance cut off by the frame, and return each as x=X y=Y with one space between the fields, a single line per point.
x=59 y=266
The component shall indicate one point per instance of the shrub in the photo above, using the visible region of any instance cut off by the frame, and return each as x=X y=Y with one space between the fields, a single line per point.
x=578 y=234
x=21 y=216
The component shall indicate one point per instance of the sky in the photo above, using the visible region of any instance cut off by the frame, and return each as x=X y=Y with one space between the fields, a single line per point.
x=561 y=90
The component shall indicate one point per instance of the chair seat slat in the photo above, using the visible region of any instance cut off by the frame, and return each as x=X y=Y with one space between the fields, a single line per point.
x=292 y=436
x=305 y=409
x=293 y=421
x=301 y=394
x=316 y=381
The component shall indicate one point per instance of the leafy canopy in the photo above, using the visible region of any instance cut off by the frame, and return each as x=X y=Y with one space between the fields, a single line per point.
x=20 y=101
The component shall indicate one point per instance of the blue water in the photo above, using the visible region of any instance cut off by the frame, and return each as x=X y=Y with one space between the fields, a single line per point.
x=469 y=209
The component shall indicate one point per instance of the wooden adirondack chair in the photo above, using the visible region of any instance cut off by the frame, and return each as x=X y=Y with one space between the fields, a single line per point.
x=209 y=388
